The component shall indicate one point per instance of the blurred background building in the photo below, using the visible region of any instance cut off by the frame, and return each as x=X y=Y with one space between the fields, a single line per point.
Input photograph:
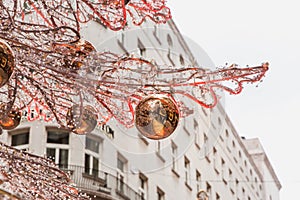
x=204 y=154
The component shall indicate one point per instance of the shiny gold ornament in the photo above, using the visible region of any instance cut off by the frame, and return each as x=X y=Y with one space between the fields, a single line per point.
x=156 y=117
x=81 y=122
x=10 y=120
x=82 y=49
x=7 y=63
x=202 y=195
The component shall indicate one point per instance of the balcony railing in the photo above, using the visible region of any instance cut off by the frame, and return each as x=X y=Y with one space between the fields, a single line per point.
x=99 y=182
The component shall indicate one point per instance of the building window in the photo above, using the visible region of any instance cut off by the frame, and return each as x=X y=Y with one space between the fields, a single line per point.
x=216 y=161
x=181 y=59
x=169 y=40
x=160 y=194
x=204 y=110
x=155 y=34
x=58 y=137
x=226 y=133
x=208 y=189
x=92 y=145
x=205 y=138
x=91 y=165
x=198 y=137
x=231 y=179
x=187 y=169
x=59 y=156
x=219 y=121
x=206 y=150
x=120 y=164
x=91 y=157
x=120 y=183
x=121 y=167
x=174 y=157
x=225 y=178
x=217 y=196
x=198 y=180
x=143 y=186
x=19 y=139
x=142 y=49
x=58 y=147
x=170 y=58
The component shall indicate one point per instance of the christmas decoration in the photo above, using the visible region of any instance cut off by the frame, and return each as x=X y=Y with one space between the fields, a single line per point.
x=49 y=72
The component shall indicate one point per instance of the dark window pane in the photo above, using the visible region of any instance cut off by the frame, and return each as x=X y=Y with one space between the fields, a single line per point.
x=63 y=158
x=95 y=166
x=92 y=145
x=20 y=139
x=87 y=163
x=51 y=154
x=58 y=137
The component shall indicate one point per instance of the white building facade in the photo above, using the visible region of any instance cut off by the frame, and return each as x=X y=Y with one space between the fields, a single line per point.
x=113 y=162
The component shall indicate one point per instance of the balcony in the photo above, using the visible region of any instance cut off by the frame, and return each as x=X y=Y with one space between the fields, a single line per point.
x=100 y=185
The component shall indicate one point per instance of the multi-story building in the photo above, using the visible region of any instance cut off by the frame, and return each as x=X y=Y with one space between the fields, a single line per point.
x=113 y=162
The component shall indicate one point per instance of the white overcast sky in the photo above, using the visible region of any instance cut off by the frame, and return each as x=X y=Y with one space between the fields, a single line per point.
x=249 y=33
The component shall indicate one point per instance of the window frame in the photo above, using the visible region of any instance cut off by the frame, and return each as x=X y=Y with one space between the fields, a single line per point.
x=17 y=132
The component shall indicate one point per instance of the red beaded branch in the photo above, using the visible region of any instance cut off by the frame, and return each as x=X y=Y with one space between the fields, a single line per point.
x=51 y=73
x=26 y=176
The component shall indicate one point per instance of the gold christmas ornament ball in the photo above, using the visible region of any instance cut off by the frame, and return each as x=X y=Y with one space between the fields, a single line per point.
x=156 y=117
x=81 y=121
x=82 y=49
x=10 y=120
x=7 y=63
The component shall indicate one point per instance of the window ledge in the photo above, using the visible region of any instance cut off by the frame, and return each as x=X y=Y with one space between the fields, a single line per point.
x=188 y=186
x=144 y=140
x=160 y=157
x=175 y=172
x=207 y=158
x=217 y=171
x=101 y=181
x=197 y=145
x=120 y=193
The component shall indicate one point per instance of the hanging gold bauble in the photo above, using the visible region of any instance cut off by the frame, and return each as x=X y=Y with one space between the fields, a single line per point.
x=7 y=62
x=82 y=122
x=82 y=49
x=10 y=120
x=156 y=117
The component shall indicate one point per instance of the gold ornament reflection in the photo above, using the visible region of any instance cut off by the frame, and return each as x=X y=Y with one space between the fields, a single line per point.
x=7 y=62
x=10 y=120
x=156 y=117
x=81 y=120
x=82 y=49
